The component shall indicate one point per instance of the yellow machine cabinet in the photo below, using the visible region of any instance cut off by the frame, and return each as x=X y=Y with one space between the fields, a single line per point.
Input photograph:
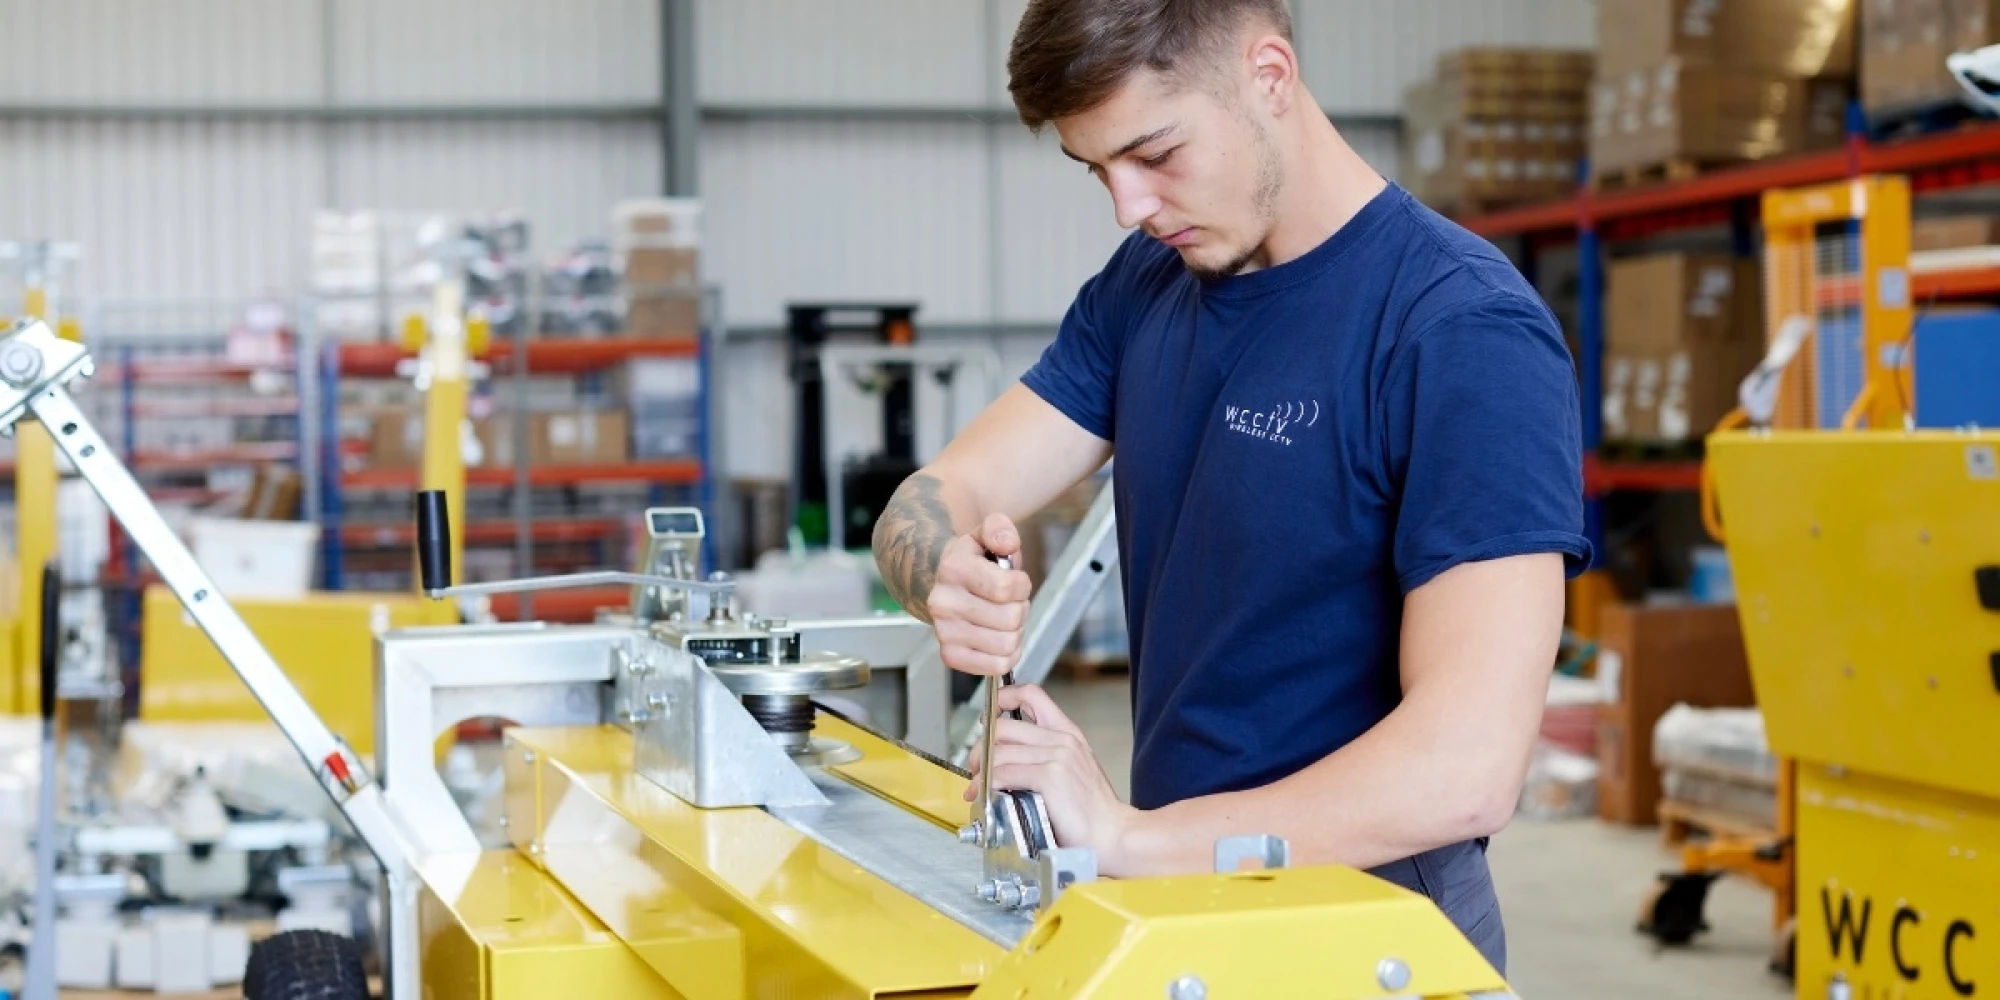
x=325 y=643
x=1867 y=573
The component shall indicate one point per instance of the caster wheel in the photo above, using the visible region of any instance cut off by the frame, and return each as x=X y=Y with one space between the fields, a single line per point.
x=1671 y=913
x=1785 y=951
x=305 y=965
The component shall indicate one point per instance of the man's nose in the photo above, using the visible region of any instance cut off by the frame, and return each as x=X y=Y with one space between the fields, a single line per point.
x=1132 y=199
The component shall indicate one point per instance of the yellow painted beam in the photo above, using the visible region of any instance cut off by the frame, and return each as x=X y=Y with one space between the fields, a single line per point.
x=34 y=537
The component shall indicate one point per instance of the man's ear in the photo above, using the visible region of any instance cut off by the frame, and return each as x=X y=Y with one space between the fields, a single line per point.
x=1274 y=73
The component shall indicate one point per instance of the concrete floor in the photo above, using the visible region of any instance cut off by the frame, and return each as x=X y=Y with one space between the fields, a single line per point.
x=1570 y=891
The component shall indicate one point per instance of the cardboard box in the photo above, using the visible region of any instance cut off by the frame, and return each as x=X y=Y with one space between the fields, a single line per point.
x=1651 y=658
x=1904 y=44
x=1682 y=331
x=1795 y=38
x=589 y=438
x=1468 y=146
x=1954 y=233
x=663 y=315
x=648 y=267
x=1675 y=111
x=396 y=440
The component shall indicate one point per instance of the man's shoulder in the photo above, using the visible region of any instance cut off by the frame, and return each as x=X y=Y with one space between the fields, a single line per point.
x=1449 y=272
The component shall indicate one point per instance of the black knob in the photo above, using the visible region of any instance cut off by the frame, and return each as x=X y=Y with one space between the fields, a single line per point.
x=52 y=637
x=433 y=541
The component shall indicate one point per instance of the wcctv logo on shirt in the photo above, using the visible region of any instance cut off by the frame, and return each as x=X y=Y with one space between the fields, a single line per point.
x=1275 y=424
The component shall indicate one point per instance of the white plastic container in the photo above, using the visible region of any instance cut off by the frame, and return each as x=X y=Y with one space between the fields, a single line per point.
x=258 y=559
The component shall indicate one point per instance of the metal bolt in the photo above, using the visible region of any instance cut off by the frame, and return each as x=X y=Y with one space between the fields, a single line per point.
x=658 y=701
x=989 y=891
x=1393 y=974
x=1838 y=988
x=1187 y=988
x=527 y=756
x=20 y=364
x=969 y=833
x=535 y=847
x=1010 y=894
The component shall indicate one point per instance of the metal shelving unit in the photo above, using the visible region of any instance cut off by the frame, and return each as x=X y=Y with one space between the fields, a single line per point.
x=1724 y=198
x=586 y=358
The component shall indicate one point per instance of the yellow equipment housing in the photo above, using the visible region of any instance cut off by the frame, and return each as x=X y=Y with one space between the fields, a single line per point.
x=722 y=904
x=1867 y=572
x=324 y=642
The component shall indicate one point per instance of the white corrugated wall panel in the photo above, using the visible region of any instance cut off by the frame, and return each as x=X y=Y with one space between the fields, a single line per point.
x=563 y=176
x=166 y=209
x=151 y=53
x=893 y=53
x=855 y=210
x=497 y=51
x=1056 y=227
x=1359 y=55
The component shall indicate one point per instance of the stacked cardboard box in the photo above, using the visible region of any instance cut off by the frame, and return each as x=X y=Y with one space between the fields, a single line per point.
x=396 y=439
x=1682 y=331
x=1954 y=232
x=658 y=245
x=1496 y=126
x=1716 y=81
x=1904 y=44
x=1653 y=657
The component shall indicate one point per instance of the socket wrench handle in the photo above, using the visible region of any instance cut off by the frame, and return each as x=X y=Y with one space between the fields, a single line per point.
x=52 y=637
x=433 y=542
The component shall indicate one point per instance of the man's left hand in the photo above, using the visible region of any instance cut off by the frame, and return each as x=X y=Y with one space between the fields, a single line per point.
x=1047 y=753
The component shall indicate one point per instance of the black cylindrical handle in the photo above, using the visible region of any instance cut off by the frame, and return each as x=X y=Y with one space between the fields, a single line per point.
x=52 y=638
x=433 y=541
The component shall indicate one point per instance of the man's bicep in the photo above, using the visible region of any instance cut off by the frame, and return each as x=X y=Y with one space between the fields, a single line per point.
x=1479 y=643
x=1019 y=454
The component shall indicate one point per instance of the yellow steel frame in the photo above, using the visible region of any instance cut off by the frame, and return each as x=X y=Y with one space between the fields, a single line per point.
x=34 y=539
x=1880 y=207
x=732 y=903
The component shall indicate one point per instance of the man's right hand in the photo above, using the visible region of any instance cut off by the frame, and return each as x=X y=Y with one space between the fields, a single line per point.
x=979 y=610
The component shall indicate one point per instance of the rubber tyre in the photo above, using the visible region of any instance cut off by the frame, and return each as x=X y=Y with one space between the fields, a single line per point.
x=305 y=965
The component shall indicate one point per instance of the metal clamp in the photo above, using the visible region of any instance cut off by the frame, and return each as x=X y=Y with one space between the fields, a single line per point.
x=1271 y=852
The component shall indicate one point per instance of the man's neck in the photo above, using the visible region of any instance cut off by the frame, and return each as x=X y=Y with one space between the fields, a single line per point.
x=1327 y=185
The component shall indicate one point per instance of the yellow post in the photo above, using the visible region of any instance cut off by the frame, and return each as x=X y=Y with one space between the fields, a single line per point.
x=445 y=400
x=34 y=537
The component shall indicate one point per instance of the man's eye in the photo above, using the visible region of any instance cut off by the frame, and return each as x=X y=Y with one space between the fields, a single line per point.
x=1160 y=160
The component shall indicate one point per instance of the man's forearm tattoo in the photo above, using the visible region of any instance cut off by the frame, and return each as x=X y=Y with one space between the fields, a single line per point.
x=910 y=539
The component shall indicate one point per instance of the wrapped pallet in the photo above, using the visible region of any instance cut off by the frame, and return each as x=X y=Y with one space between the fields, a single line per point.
x=1495 y=127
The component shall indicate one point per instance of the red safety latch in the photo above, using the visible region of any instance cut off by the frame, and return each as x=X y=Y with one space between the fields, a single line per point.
x=336 y=765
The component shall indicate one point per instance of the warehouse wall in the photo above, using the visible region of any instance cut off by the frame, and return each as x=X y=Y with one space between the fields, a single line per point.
x=857 y=150
x=186 y=144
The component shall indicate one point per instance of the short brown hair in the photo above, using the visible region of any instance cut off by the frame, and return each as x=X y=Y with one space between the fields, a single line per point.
x=1070 y=56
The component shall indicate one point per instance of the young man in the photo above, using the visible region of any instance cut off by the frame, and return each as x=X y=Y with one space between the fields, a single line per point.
x=1348 y=482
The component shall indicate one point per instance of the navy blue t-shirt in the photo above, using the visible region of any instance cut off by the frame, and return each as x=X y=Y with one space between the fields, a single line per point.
x=1296 y=449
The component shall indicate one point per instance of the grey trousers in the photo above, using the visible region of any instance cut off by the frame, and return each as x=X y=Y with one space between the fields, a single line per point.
x=1457 y=880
